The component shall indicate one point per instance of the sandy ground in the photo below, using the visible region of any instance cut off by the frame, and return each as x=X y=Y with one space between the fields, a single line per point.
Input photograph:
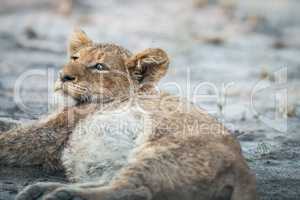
x=240 y=46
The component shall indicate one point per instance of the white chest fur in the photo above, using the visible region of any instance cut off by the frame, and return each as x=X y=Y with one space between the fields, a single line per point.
x=101 y=144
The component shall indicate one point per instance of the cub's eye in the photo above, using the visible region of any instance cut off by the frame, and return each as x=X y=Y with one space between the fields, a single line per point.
x=74 y=58
x=101 y=67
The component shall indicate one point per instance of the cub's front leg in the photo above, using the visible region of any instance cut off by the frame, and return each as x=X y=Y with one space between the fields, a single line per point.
x=41 y=189
x=53 y=191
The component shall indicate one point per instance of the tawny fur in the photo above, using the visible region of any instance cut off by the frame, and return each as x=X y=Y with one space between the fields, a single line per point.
x=125 y=139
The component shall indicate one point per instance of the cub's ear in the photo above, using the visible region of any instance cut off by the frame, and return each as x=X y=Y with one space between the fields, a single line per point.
x=78 y=40
x=148 y=67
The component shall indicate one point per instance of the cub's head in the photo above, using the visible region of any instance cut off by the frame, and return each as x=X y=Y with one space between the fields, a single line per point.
x=105 y=72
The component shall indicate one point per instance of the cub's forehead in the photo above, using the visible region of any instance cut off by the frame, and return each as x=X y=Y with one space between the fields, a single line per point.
x=99 y=50
x=91 y=51
x=114 y=49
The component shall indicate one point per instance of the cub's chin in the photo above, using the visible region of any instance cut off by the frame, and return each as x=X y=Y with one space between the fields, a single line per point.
x=61 y=100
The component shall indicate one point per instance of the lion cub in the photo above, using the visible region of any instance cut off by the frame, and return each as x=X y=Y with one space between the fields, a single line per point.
x=122 y=139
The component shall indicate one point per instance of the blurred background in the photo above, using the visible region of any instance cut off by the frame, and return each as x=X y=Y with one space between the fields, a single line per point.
x=234 y=43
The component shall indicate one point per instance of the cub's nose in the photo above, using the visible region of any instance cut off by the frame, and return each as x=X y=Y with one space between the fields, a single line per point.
x=65 y=78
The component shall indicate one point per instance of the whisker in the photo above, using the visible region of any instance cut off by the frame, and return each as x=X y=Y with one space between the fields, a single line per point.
x=80 y=87
x=78 y=90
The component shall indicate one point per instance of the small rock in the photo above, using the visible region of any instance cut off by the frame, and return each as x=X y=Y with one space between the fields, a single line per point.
x=279 y=44
x=30 y=33
x=238 y=133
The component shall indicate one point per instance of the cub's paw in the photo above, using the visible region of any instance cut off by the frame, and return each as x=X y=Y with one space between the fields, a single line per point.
x=66 y=193
x=35 y=191
x=103 y=193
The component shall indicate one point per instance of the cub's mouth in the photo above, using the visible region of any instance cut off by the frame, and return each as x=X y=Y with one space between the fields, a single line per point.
x=80 y=94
